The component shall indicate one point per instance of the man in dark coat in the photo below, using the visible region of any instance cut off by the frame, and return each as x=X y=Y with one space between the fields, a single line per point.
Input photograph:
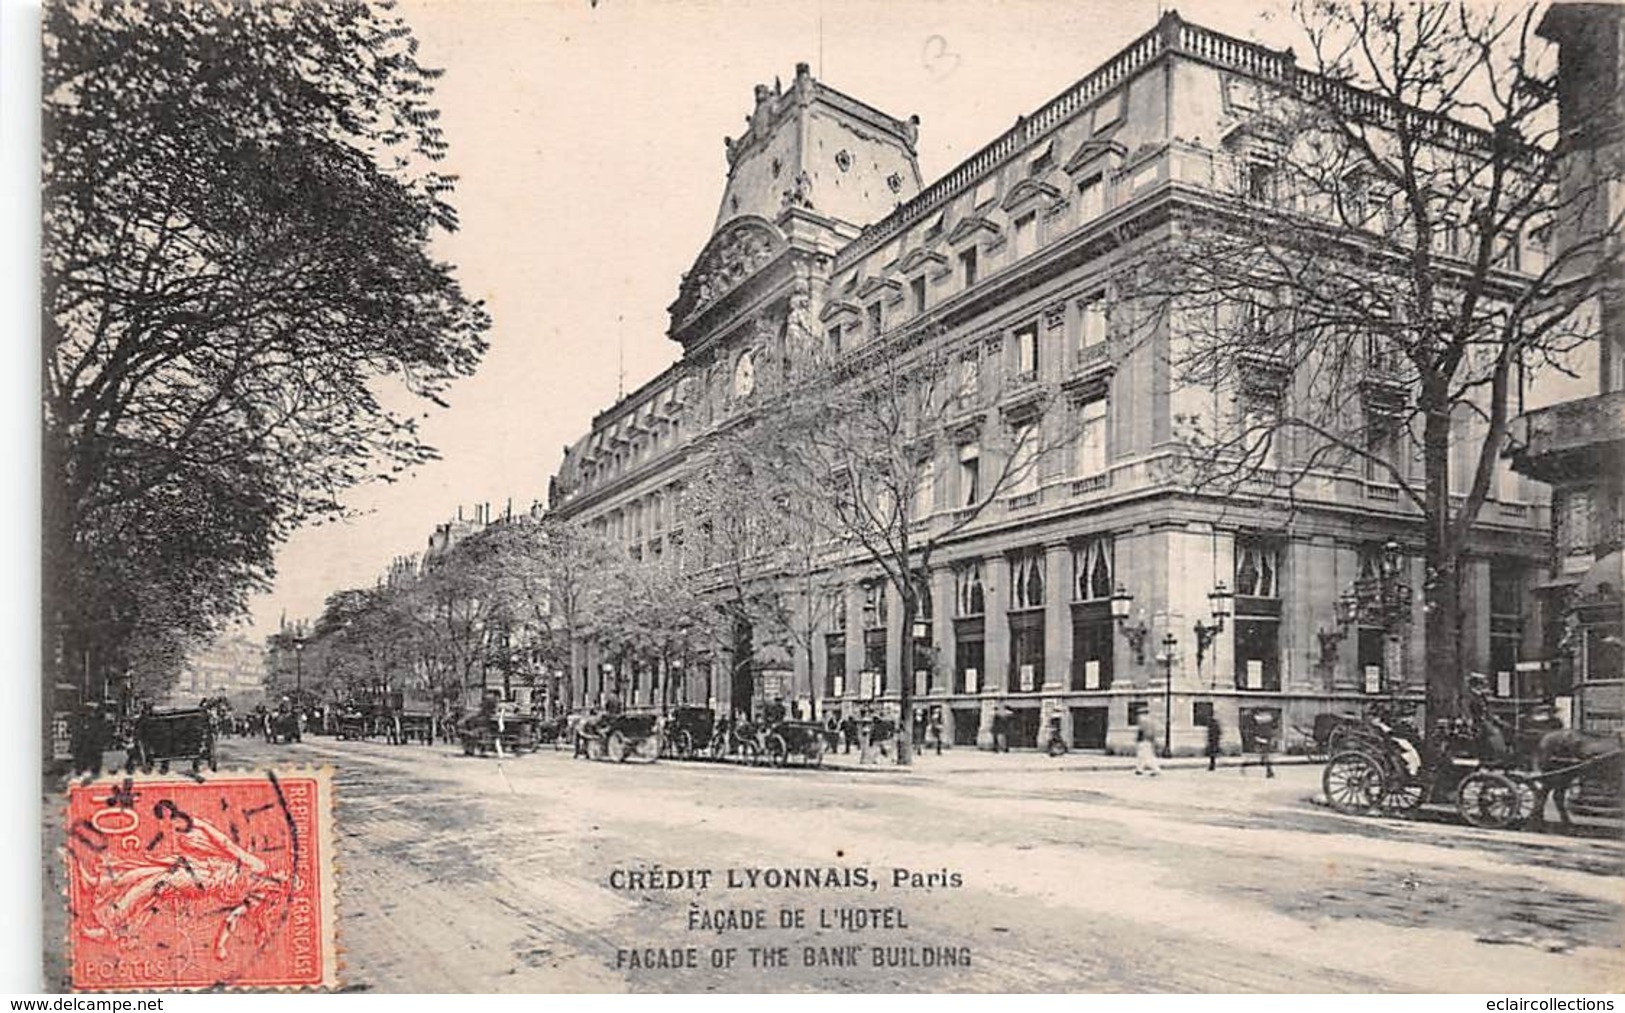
x=1214 y=734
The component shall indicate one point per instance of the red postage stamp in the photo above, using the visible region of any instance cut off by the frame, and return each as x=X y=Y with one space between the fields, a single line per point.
x=223 y=882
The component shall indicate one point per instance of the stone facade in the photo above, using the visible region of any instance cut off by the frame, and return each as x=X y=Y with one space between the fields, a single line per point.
x=1023 y=242
x=1576 y=442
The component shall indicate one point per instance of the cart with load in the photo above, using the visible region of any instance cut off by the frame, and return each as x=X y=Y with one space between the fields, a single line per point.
x=160 y=737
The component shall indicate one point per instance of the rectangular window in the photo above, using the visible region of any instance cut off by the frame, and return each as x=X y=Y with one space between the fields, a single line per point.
x=968 y=597
x=967 y=267
x=1258 y=569
x=970 y=475
x=1026 y=653
x=874 y=660
x=1092 y=641
x=925 y=481
x=1260 y=435
x=969 y=659
x=834 y=664
x=874 y=605
x=1092 y=319
x=970 y=377
x=1260 y=178
x=876 y=318
x=1026 y=338
x=835 y=339
x=1382 y=449
x=1092 y=564
x=1023 y=234
x=1092 y=198
x=917 y=288
x=1043 y=161
x=1027 y=580
x=1091 y=457
x=1372 y=658
x=1258 y=654
x=1024 y=459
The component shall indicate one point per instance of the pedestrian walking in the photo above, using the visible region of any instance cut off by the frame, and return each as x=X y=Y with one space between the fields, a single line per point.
x=866 y=728
x=1214 y=733
x=1001 y=730
x=849 y=733
x=1145 y=749
x=1264 y=738
x=936 y=728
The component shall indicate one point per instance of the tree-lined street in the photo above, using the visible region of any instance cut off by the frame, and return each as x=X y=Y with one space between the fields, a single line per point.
x=460 y=874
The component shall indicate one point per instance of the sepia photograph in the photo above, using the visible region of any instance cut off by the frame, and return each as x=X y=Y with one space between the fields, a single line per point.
x=605 y=496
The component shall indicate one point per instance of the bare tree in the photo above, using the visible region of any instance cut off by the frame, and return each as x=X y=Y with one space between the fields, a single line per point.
x=858 y=438
x=765 y=560
x=1373 y=275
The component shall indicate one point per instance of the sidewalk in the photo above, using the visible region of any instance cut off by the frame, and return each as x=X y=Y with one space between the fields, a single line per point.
x=968 y=759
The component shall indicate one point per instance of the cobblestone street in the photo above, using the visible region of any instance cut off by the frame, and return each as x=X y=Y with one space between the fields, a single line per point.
x=458 y=873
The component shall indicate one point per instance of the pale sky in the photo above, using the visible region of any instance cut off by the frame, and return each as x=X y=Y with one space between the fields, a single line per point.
x=588 y=142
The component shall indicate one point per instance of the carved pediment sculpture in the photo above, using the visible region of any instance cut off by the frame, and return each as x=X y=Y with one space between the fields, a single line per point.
x=740 y=249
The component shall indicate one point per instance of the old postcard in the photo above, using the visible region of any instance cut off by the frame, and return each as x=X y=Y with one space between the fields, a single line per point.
x=597 y=496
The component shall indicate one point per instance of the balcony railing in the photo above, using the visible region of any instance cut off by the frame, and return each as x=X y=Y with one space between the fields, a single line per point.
x=1091 y=483
x=1573 y=424
x=1022 y=500
x=1382 y=493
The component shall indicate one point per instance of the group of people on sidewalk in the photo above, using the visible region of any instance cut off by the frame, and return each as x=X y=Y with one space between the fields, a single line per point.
x=1146 y=733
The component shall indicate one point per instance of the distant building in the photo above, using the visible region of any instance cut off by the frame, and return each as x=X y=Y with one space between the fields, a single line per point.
x=232 y=667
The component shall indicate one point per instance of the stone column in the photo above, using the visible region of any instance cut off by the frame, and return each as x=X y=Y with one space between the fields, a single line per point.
x=1057 y=621
x=899 y=665
x=996 y=650
x=942 y=631
x=854 y=640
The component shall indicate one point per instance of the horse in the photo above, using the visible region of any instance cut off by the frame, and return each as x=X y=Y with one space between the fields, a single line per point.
x=1566 y=755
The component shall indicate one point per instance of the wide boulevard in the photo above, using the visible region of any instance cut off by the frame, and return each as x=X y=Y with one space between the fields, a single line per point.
x=545 y=873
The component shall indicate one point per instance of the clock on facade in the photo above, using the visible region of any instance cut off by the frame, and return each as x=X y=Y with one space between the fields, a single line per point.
x=745 y=375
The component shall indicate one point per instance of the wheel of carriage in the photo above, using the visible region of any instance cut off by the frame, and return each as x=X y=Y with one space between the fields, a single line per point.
x=778 y=751
x=748 y=753
x=1402 y=795
x=1353 y=782
x=615 y=748
x=682 y=745
x=1490 y=800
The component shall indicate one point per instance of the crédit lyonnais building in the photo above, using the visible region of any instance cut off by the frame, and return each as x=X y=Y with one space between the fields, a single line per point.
x=1057 y=601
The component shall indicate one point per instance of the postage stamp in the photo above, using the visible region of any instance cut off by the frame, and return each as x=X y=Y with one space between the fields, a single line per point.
x=195 y=883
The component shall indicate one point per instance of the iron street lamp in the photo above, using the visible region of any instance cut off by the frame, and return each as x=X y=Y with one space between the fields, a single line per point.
x=1134 y=633
x=298 y=669
x=1169 y=642
x=1219 y=600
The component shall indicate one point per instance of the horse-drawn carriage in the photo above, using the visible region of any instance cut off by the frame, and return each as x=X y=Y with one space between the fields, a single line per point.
x=160 y=737
x=689 y=730
x=497 y=732
x=619 y=737
x=1495 y=779
x=282 y=726
x=790 y=739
